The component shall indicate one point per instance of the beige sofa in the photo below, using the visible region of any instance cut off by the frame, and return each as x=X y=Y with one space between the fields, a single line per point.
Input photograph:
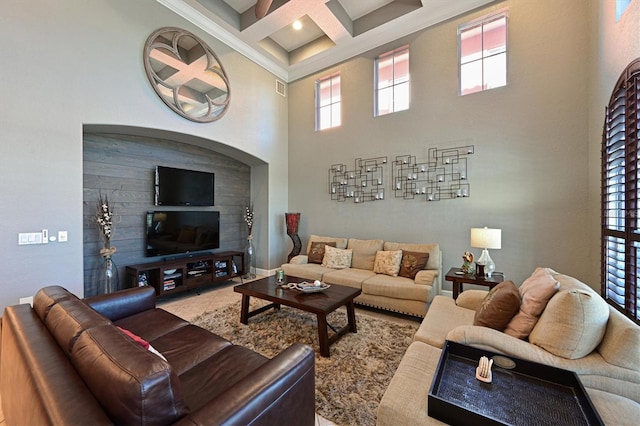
x=394 y=293
x=576 y=320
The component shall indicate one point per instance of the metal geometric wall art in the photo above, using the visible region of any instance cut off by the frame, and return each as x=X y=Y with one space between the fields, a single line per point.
x=364 y=183
x=443 y=176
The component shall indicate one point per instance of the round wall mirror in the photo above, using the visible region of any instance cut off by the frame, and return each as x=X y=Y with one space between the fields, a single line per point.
x=187 y=75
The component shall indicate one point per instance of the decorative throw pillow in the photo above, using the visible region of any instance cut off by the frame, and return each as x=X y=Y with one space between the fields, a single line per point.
x=412 y=263
x=535 y=292
x=316 y=253
x=573 y=323
x=498 y=307
x=139 y=340
x=387 y=262
x=336 y=258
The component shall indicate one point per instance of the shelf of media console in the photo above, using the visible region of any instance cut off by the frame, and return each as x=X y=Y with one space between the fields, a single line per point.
x=175 y=275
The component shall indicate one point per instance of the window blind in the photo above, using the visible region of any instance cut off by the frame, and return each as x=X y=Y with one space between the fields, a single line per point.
x=620 y=193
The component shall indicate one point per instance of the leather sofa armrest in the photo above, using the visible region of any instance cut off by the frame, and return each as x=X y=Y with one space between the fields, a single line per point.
x=300 y=259
x=281 y=391
x=471 y=299
x=123 y=303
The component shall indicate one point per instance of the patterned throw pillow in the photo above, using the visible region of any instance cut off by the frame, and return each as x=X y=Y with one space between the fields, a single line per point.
x=412 y=263
x=498 y=307
x=336 y=258
x=387 y=262
x=316 y=253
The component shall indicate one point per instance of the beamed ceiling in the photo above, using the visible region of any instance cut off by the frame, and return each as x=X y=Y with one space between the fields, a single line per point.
x=332 y=30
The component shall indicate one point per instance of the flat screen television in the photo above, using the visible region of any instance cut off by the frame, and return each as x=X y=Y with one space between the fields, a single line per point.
x=173 y=233
x=180 y=187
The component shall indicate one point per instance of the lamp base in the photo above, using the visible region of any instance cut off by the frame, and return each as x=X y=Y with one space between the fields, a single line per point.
x=488 y=264
x=479 y=270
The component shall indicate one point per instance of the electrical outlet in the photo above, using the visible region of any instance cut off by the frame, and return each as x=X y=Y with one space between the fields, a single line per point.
x=62 y=236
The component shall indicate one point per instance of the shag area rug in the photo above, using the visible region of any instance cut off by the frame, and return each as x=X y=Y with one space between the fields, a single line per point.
x=351 y=382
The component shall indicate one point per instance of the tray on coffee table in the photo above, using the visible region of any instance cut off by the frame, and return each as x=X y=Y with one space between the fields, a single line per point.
x=527 y=393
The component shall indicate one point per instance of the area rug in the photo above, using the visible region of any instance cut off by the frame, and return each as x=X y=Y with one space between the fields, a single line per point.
x=351 y=382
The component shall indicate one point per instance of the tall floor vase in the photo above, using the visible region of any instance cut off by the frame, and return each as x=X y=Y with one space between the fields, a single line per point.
x=292 y=220
x=250 y=259
x=105 y=278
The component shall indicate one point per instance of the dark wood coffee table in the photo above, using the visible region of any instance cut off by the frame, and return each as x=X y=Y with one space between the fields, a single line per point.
x=321 y=304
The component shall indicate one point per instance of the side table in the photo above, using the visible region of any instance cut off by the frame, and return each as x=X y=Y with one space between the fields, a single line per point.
x=457 y=277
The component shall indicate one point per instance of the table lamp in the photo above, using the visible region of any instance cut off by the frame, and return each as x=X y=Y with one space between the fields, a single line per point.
x=486 y=238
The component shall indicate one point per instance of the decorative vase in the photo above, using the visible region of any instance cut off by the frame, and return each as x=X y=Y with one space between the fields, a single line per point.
x=292 y=220
x=250 y=259
x=467 y=267
x=106 y=276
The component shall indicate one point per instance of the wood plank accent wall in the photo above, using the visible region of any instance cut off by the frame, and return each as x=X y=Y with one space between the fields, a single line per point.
x=123 y=168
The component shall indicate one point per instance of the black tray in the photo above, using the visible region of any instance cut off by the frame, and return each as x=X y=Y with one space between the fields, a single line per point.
x=529 y=393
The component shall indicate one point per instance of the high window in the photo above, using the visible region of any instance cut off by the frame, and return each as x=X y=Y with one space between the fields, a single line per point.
x=328 y=109
x=621 y=193
x=392 y=81
x=482 y=52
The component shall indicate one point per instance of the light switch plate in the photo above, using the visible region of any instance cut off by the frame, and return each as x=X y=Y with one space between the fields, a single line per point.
x=25 y=238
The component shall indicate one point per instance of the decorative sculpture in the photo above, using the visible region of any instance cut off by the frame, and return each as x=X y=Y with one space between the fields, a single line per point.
x=292 y=220
x=443 y=176
x=363 y=183
x=483 y=371
x=467 y=262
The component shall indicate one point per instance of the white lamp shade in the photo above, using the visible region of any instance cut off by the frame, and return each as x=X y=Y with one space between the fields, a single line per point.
x=486 y=238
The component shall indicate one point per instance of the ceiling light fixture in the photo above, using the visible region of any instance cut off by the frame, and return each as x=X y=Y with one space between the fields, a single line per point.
x=297 y=25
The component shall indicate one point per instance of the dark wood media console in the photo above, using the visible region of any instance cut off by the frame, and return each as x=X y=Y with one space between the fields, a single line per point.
x=173 y=276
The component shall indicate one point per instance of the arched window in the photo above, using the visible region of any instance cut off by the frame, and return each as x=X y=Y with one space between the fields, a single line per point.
x=620 y=194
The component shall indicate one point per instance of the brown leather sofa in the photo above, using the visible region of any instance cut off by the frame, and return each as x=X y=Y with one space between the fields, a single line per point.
x=66 y=362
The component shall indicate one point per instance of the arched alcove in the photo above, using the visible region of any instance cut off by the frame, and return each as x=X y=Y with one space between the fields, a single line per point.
x=120 y=162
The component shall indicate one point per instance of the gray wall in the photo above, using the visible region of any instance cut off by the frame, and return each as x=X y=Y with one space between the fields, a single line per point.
x=76 y=64
x=122 y=167
x=613 y=45
x=530 y=174
x=72 y=64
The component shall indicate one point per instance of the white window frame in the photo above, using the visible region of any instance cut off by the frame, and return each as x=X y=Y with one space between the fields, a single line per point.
x=481 y=22
x=393 y=85
x=333 y=102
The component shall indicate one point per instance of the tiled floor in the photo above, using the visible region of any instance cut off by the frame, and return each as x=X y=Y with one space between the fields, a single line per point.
x=190 y=304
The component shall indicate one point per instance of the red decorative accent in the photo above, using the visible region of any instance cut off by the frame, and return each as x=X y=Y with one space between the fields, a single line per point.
x=139 y=340
x=292 y=222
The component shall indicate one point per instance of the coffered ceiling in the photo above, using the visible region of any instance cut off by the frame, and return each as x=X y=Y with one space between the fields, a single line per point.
x=332 y=30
